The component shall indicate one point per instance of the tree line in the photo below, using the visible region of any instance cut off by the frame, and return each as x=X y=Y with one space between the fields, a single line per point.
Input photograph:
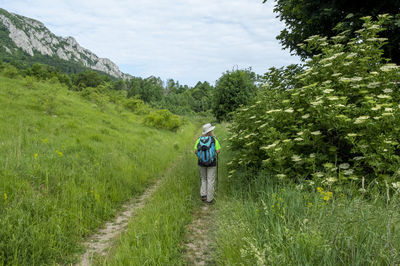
x=233 y=89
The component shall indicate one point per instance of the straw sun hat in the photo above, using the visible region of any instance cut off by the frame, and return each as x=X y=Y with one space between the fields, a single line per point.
x=207 y=128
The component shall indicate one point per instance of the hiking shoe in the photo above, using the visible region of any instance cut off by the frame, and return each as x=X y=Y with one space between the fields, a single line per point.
x=210 y=202
x=203 y=198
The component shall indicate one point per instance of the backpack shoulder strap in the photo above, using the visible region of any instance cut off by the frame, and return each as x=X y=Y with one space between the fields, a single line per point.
x=213 y=139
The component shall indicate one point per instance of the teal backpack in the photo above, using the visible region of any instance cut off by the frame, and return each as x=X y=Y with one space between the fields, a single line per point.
x=206 y=151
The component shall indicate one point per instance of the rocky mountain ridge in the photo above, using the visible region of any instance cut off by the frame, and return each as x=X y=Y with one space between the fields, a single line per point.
x=33 y=37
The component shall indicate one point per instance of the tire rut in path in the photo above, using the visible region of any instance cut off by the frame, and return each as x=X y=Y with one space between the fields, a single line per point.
x=199 y=238
x=101 y=242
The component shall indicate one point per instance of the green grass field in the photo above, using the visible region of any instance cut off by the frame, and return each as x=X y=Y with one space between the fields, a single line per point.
x=67 y=165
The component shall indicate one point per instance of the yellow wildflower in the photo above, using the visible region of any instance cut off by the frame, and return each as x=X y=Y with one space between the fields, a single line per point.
x=320 y=189
x=35 y=155
x=5 y=196
x=328 y=196
x=59 y=153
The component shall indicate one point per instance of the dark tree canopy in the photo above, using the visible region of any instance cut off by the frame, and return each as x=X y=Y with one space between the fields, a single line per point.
x=201 y=97
x=319 y=17
x=149 y=89
x=232 y=90
x=88 y=78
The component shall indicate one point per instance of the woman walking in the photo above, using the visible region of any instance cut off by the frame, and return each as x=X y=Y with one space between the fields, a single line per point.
x=206 y=148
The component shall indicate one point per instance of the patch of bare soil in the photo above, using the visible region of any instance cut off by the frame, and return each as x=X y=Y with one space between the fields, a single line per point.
x=199 y=238
x=101 y=242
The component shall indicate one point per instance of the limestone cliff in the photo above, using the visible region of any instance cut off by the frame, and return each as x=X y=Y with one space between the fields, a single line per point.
x=33 y=37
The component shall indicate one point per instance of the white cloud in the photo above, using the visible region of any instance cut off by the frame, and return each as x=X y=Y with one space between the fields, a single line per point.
x=187 y=40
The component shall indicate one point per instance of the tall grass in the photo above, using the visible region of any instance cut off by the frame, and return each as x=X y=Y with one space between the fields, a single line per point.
x=155 y=234
x=268 y=222
x=67 y=165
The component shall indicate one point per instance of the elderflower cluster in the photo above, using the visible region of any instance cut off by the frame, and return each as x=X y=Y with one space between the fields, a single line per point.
x=361 y=119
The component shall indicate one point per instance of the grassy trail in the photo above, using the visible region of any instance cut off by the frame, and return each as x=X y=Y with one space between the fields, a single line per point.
x=100 y=242
x=155 y=234
x=200 y=246
x=257 y=220
x=199 y=237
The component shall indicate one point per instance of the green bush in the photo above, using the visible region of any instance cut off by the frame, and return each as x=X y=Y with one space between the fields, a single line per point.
x=87 y=92
x=340 y=124
x=96 y=95
x=136 y=105
x=163 y=119
x=30 y=82
x=10 y=71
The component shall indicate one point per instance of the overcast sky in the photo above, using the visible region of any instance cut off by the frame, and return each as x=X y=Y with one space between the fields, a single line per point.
x=187 y=40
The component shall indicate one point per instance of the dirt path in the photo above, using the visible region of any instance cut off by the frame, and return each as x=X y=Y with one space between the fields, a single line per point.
x=100 y=242
x=199 y=238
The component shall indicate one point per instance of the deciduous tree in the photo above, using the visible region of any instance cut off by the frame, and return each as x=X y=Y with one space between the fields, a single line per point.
x=232 y=89
x=319 y=17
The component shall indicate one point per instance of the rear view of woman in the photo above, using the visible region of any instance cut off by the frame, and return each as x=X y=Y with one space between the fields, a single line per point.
x=206 y=148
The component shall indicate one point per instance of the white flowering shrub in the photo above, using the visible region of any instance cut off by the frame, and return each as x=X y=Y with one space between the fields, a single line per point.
x=342 y=121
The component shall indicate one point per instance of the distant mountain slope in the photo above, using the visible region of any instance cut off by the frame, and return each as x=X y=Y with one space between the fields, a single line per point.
x=26 y=39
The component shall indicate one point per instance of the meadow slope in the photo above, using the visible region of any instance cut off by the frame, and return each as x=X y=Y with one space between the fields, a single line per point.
x=67 y=165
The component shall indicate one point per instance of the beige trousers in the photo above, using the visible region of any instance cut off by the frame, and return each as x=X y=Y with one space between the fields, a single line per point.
x=207 y=175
